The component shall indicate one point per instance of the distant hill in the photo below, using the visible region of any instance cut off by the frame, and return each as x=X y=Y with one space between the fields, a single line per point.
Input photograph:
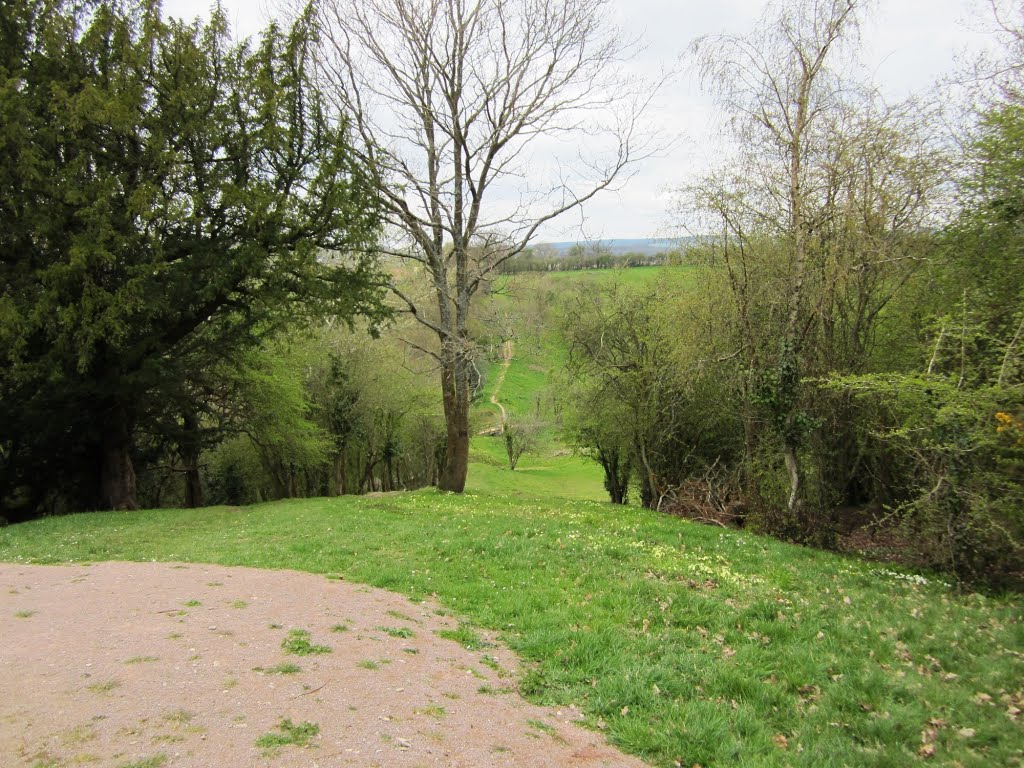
x=617 y=247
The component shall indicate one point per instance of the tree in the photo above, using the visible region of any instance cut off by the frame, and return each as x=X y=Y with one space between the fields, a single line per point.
x=167 y=200
x=621 y=361
x=820 y=219
x=450 y=99
x=598 y=425
x=520 y=436
x=777 y=84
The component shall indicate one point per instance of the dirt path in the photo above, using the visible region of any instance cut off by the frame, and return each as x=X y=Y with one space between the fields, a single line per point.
x=158 y=664
x=507 y=350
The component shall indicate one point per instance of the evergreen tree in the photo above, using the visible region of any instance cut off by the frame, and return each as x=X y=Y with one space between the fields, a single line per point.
x=167 y=200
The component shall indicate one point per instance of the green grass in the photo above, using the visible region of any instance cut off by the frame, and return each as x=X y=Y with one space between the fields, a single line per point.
x=465 y=636
x=431 y=710
x=150 y=762
x=401 y=632
x=297 y=643
x=632 y=276
x=680 y=642
x=549 y=473
x=104 y=687
x=540 y=725
x=280 y=669
x=288 y=734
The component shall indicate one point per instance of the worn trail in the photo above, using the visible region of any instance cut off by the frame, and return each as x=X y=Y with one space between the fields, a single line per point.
x=507 y=351
x=187 y=665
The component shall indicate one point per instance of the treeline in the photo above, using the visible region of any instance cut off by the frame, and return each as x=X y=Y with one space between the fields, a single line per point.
x=848 y=367
x=546 y=259
x=321 y=414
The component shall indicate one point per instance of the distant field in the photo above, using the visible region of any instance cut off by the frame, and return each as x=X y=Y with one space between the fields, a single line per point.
x=633 y=276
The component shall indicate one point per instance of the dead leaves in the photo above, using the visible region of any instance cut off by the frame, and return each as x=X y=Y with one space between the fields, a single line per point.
x=929 y=736
x=1014 y=703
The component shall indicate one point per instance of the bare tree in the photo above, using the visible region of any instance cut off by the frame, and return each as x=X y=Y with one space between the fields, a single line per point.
x=520 y=436
x=820 y=212
x=777 y=86
x=468 y=109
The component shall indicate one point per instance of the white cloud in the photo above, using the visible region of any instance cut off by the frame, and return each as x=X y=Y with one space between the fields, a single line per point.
x=907 y=46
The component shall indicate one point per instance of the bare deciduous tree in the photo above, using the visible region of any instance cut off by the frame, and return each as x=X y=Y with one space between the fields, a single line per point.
x=820 y=212
x=778 y=87
x=468 y=109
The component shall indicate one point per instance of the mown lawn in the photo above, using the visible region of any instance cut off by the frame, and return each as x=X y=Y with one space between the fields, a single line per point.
x=684 y=644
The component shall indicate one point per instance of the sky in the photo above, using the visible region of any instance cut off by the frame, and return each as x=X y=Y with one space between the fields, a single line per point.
x=907 y=46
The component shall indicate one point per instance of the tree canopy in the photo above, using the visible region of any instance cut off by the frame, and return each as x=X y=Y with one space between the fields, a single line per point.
x=167 y=199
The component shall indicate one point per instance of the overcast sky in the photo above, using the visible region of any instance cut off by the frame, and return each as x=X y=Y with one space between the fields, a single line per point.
x=907 y=46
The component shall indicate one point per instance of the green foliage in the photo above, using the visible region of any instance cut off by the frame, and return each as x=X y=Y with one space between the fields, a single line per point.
x=964 y=452
x=985 y=252
x=167 y=200
x=776 y=391
x=519 y=436
x=297 y=643
x=289 y=734
x=322 y=412
x=638 y=401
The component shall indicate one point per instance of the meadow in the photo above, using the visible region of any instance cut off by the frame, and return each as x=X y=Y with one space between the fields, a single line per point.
x=684 y=644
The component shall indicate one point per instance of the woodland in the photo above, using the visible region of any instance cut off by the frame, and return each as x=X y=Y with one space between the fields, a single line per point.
x=229 y=275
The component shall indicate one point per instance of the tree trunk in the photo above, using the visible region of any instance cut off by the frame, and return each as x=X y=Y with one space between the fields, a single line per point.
x=456 y=459
x=117 y=475
x=651 y=496
x=194 y=496
x=793 y=468
x=455 y=386
x=190 y=449
x=616 y=475
x=340 y=476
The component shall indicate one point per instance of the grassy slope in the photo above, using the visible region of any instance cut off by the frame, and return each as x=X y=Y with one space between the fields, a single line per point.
x=687 y=644
x=550 y=470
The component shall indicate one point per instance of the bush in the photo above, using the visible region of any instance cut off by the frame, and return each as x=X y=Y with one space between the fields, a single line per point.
x=962 y=495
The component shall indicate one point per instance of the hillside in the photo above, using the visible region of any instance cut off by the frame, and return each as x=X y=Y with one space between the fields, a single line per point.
x=684 y=644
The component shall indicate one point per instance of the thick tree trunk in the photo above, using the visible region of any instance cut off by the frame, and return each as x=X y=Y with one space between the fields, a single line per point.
x=190 y=450
x=455 y=387
x=456 y=459
x=194 y=496
x=117 y=474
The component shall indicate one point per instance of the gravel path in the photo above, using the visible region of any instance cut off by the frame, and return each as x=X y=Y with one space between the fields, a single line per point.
x=160 y=664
